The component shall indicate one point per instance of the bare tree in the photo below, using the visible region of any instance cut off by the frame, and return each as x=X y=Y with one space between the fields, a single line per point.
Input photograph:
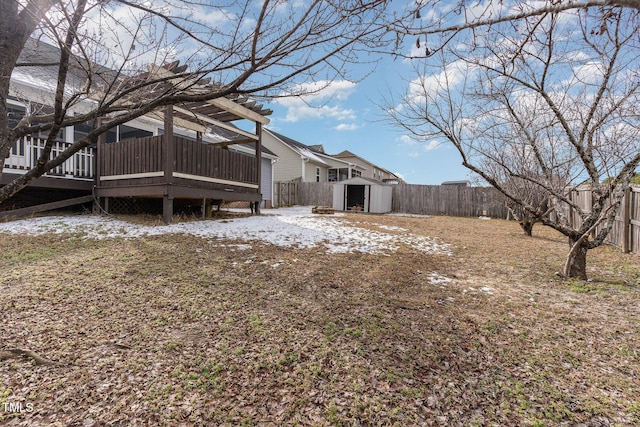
x=539 y=105
x=530 y=193
x=107 y=50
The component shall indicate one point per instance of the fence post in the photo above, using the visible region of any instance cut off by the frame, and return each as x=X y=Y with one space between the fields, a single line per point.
x=626 y=221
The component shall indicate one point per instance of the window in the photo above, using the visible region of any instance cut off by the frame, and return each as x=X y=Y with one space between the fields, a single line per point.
x=81 y=131
x=127 y=132
x=317 y=174
x=112 y=134
x=15 y=113
x=122 y=132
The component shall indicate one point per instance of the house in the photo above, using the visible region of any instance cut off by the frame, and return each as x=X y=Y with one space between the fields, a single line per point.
x=190 y=153
x=305 y=163
x=266 y=170
x=298 y=162
x=368 y=169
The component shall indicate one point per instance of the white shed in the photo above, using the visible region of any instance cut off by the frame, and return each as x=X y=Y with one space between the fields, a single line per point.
x=362 y=195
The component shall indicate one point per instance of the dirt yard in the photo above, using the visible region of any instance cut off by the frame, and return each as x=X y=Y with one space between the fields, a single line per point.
x=178 y=329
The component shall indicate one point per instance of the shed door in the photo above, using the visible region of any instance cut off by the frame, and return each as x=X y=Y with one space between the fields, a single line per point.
x=357 y=197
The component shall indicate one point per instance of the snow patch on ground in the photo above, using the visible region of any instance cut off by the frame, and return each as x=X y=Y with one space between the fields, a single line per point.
x=486 y=289
x=391 y=227
x=410 y=215
x=289 y=227
x=438 y=279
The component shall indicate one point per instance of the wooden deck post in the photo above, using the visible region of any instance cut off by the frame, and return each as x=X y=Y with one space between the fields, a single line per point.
x=259 y=164
x=102 y=139
x=167 y=200
x=167 y=209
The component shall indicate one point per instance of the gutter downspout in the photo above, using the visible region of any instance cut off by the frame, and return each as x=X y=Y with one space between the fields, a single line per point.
x=304 y=163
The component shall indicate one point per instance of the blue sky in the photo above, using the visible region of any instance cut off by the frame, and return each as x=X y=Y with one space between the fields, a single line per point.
x=347 y=116
x=343 y=116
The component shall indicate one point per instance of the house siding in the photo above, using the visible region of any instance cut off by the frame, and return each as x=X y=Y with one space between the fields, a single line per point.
x=299 y=162
x=310 y=172
x=289 y=166
x=266 y=185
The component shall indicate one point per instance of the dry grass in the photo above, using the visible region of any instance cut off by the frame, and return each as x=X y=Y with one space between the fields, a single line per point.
x=178 y=330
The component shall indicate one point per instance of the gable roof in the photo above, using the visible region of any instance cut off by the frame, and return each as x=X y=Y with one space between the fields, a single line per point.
x=250 y=148
x=347 y=153
x=361 y=180
x=38 y=67
x=305 y=151
x=318 y=147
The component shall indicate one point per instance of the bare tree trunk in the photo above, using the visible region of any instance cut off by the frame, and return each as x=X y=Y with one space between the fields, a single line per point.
x=576 y=264
x=524 y=218
x=17 y=23
x=527 y=226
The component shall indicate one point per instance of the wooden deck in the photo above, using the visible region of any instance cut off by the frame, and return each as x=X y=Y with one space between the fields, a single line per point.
x=163 y=166
x=181 y=168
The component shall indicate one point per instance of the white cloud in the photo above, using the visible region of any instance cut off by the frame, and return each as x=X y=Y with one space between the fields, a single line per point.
x=451 y=76
x=301 y=111
x=485 y=9
x=421 y=50
x=423 y=147
x=312 y=101
x=591 y=72
x=431 y=145
x=407 y=140
x=280 y=6
x=346 y=126
x=213 y=17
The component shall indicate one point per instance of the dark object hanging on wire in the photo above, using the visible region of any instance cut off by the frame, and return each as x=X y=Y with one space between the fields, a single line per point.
x=418 y=42
x=417 y=13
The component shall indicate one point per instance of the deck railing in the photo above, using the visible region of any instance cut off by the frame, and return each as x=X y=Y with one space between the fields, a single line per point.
x=132 y=157
x=143 y=158
x=204 y=160
x=25 y=152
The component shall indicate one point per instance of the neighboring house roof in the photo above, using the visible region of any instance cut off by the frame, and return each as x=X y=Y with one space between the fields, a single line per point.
x=250 y=148
x=361 y=180
x=346 y=154
x=318 y=147
x=305 y=151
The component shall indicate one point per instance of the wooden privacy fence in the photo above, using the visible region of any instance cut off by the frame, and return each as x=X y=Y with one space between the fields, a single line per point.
x=451 y=200
x=286 y=193
x=315 y=193
x=625 y=232
x=454 y=200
